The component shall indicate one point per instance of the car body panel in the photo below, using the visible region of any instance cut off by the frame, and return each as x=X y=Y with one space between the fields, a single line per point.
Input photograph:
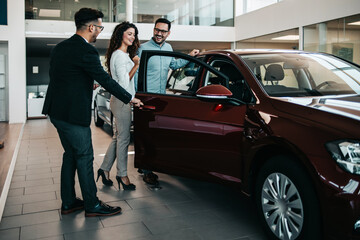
x=229 y=141
x=195 y=130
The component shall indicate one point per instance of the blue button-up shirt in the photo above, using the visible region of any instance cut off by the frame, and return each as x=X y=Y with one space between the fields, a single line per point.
x=158 y=66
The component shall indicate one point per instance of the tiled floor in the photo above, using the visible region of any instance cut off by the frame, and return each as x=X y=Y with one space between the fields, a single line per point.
x=181 y=209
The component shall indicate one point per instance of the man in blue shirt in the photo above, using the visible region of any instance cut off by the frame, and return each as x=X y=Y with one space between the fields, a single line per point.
x=158 y=68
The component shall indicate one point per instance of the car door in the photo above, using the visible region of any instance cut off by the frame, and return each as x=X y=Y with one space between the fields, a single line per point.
x=177 y=132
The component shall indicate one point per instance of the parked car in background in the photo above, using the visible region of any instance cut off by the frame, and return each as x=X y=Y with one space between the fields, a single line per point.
x=102 y=112
x=283 y=126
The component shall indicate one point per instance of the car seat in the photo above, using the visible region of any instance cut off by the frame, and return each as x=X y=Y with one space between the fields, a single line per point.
x=274 y=73
x=236 y=80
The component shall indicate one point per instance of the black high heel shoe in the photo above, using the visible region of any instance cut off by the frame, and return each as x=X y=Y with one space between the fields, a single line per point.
x=130 y=186
x=105 y=181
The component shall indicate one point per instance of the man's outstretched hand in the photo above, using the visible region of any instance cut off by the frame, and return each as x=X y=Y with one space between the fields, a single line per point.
x=194 y=52
x=136 y=102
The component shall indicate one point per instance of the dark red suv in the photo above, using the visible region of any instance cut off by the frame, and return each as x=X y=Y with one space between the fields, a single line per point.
x=284 y=126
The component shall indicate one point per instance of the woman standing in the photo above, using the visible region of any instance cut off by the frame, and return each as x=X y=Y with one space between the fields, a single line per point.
x=122 y=64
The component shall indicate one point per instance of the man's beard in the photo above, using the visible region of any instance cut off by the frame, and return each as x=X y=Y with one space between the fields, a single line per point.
x=93 y=39
x=159 y=43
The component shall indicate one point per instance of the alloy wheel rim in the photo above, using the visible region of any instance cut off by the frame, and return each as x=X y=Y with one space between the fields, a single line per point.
x=282 y=206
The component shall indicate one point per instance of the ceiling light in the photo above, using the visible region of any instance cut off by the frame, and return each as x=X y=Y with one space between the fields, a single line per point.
x=287 y=37
x=51 y=44
x=49 y=13
x=354 y=23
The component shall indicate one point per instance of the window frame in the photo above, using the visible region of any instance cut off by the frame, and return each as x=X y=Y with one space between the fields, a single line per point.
x=147 y=54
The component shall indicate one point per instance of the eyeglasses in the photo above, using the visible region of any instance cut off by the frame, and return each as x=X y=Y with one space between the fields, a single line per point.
x=162 y=32
x=101 y=27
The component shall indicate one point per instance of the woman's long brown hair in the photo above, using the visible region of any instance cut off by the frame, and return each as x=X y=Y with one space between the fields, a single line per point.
x=116 y=40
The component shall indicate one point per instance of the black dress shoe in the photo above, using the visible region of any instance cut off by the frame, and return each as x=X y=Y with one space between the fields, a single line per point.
x=141 y=171
x=102 y=209
x=153 y=175
x=77 y=205
x=150 y=179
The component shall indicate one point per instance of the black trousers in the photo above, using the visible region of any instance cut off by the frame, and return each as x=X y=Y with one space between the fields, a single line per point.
x=78 y=156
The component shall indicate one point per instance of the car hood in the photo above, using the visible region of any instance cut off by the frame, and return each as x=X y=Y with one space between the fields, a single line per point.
x=346 y=106
x=328 y=111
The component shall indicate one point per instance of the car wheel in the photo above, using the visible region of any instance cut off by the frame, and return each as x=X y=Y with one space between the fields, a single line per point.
x=286 y=201
x=98 y=121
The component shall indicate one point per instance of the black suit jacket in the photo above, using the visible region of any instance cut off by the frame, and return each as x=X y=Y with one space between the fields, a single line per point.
x=74 y=65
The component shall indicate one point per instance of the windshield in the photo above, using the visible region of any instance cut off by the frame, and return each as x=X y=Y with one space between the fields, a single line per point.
x=304 y=74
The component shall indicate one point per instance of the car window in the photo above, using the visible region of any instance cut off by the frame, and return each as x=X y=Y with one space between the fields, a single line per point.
x=173 y=73
x=289 y=79
x=236 y=82
x=169 y=75
x=211 y=78
x=304 y=74
x=182 y=80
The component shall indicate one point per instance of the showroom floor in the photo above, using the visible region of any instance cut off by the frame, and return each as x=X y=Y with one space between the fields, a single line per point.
x=181 y=209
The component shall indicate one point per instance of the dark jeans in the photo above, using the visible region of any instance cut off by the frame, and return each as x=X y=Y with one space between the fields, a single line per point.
x=78 y=155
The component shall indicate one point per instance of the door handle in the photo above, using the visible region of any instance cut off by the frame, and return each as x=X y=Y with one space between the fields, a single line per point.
x=148 y=108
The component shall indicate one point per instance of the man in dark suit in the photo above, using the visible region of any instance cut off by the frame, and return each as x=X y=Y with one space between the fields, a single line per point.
x=74 y=66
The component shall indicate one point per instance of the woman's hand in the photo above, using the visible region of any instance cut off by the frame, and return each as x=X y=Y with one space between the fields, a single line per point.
x=136 y=60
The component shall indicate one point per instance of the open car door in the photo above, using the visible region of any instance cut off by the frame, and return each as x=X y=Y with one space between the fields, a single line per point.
x=180 y=132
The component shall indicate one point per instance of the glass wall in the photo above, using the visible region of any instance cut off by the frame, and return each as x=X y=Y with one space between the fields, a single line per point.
x=181 y=12
x=340 y=37
x=245 y=6
x=186 y=12
x=119 y=10
x=281 y=40
x=114 y=10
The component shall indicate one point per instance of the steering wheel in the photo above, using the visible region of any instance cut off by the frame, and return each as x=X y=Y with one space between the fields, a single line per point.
x=323 y=84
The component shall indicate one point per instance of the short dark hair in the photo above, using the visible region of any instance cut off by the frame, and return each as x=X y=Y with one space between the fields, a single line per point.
x=163 y=20
x=86 y=15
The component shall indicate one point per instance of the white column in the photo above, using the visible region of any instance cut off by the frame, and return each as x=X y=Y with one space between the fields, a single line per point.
x=15 y=33
x=301 y=38
x=233 y=45
x=322 y=36
x=129 y=10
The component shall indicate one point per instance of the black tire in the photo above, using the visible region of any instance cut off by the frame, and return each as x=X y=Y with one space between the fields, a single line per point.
x=98 y=121
x=293 y=214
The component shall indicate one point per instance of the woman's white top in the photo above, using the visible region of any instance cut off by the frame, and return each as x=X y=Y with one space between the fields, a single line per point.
x=120 y=67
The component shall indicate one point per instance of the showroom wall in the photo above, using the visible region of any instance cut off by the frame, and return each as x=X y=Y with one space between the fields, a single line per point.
x=37 y=70
x=289 y=14
x=14 y=35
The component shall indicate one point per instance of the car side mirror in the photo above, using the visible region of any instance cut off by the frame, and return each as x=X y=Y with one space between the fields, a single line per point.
x=213 y=92
x=217 y=93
